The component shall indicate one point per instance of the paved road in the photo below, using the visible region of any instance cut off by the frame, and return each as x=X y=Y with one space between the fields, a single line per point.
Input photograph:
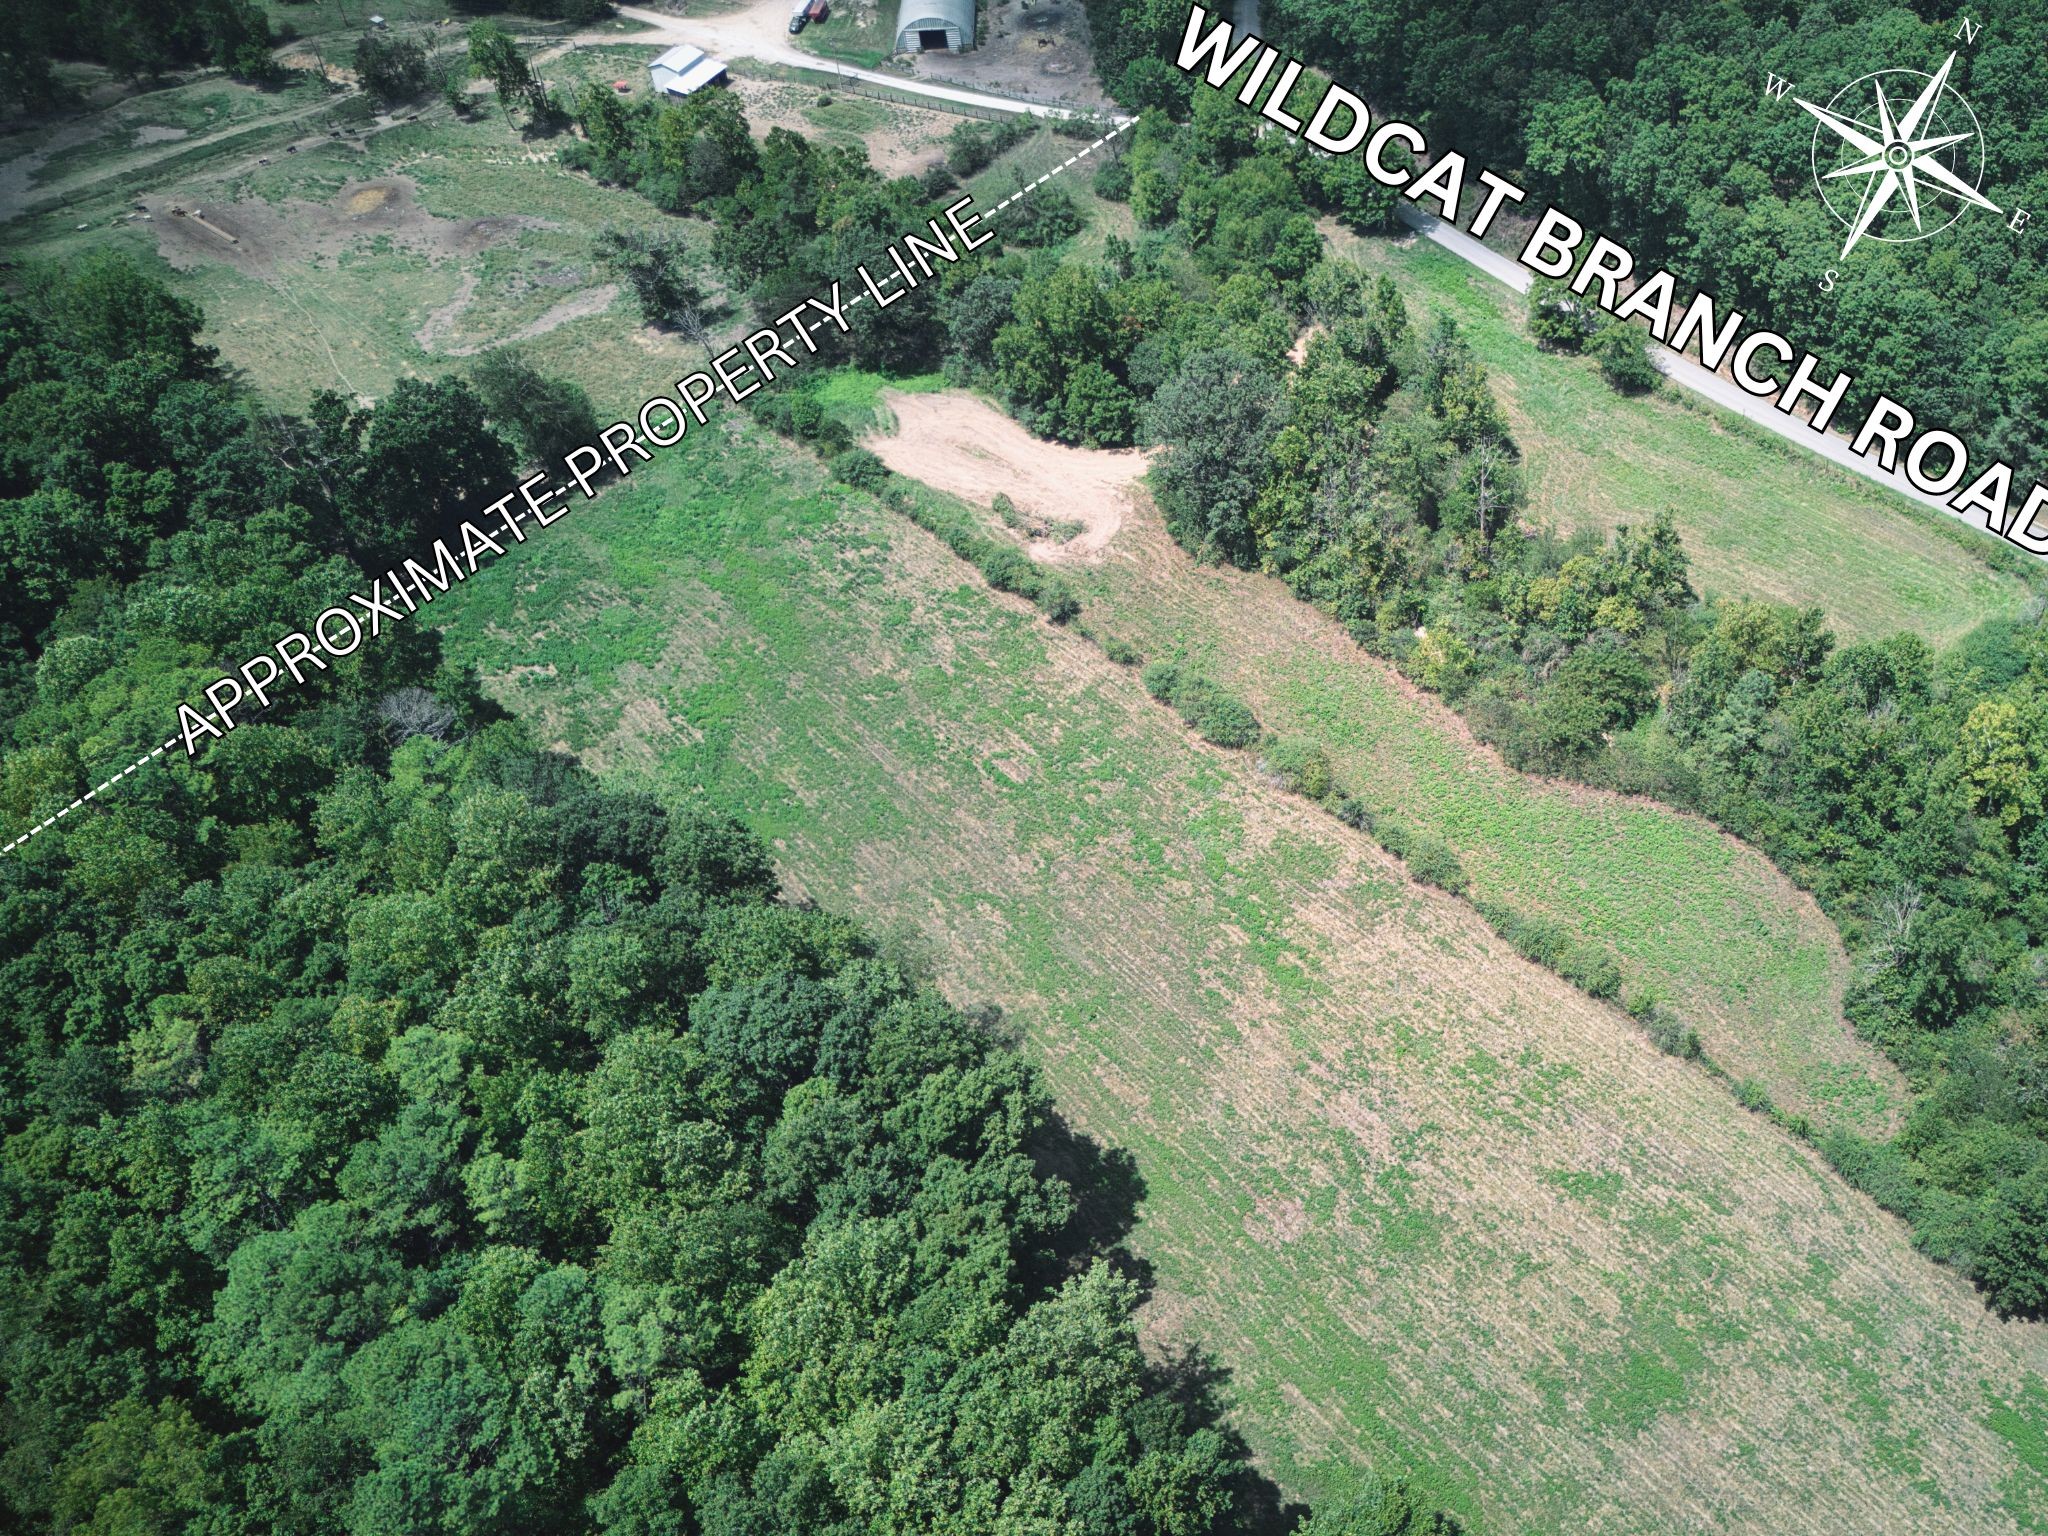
x=762 y=32
x=1682 y=371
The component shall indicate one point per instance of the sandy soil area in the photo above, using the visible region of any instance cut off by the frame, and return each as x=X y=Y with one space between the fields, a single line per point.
x=959 y=443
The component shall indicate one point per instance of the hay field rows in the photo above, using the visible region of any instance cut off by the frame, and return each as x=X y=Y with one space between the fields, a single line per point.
x=1709 y=923
x=1423 y=1201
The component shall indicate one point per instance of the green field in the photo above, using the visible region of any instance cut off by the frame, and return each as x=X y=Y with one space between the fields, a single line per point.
x=1429 y=1206
x=1759 y=518
x=1703 y=920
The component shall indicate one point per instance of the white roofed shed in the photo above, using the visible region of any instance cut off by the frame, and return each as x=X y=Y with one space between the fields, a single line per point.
x=684 y=70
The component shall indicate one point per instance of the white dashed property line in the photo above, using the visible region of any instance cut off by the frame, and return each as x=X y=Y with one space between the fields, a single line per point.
x=50 y=821
x=148 y=757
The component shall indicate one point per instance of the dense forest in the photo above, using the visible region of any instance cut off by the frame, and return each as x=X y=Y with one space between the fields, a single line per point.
x=404 y=1133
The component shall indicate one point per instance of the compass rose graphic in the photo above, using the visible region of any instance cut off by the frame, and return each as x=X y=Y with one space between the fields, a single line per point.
x=1930 y=148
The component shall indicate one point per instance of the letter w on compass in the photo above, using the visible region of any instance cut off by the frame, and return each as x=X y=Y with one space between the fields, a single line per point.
x=1894 y=158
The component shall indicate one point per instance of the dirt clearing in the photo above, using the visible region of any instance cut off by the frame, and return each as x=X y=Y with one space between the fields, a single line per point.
x=1031 y=49
x=959 y=443
x=268 y=235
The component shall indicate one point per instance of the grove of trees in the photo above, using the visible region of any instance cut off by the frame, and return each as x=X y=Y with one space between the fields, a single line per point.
x=141 y=39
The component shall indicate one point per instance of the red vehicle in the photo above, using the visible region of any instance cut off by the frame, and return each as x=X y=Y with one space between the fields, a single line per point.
x=807 y=11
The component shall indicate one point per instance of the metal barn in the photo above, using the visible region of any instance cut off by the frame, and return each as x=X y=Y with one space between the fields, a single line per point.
x=684 y=70
x=934 y=26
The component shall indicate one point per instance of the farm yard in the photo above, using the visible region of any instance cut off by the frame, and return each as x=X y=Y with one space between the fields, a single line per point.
x=1428 y=1207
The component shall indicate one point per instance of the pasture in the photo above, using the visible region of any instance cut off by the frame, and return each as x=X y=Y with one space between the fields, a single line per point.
x=1425 y=1204
x=1705 y=921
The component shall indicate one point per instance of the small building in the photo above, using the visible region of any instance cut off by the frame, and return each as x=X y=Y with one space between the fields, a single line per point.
x=934 y=26
x=683 y=71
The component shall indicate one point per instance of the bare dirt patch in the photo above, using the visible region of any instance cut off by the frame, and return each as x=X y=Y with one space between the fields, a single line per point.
x=959 y=443
x=443 y=321
x=259 y=237
x=1276 y=1220
x=1038 y=48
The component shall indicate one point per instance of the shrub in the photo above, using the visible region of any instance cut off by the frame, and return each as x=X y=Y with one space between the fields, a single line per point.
x=1591 y=968
x=1226 y=722
x=1624 y=359
x=1541 y=939
x=1161 y=680
x=1057 y=599
x=1558 y=318
x=1008 y=569
x=1006 y=509
x=1300 y=765
x=1433 y=863
x=1352 y=813
x=1752 y=1095
x=1044 y=220
x=1212 y=713
x=1113 y=180
x=1672 y=1035
x=860 y=469
x=1120 y=651
x=971 y=146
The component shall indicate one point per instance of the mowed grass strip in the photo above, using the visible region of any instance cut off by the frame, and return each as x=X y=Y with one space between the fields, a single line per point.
x=1428 y=1206
x=1705 y=921
x=1759 y=517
